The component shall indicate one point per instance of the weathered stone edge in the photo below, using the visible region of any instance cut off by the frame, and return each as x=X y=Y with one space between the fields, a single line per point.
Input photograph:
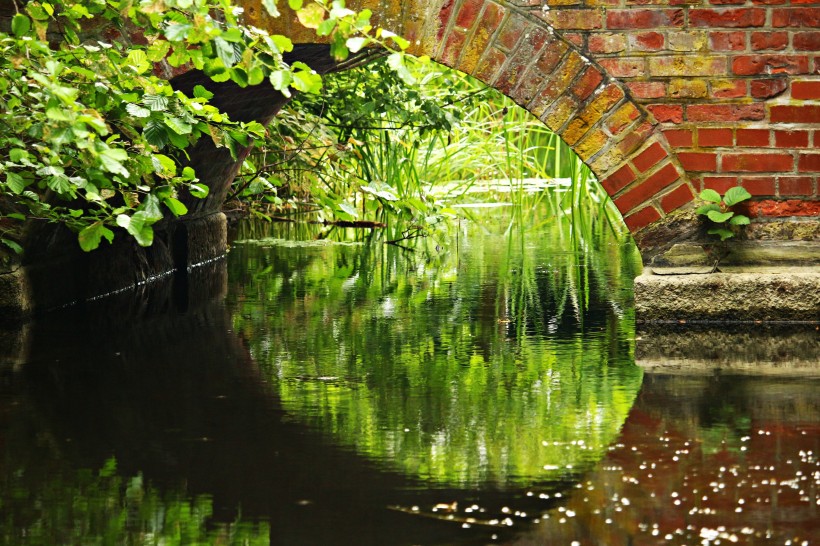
x=792 y=295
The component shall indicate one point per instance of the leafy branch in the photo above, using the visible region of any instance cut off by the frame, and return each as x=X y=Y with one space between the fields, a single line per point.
x=93 y=139
x=723 y=220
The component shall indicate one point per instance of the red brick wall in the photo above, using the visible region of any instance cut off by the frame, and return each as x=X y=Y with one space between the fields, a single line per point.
x=662 y=98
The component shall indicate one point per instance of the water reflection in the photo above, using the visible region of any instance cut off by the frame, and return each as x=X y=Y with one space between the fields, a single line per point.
x=501 y=362
x=361 y=394
x=703 y=459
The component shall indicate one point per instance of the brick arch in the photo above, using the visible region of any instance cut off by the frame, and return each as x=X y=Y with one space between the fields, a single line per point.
x=662 y=98
x=513 y=48
x=519 y=53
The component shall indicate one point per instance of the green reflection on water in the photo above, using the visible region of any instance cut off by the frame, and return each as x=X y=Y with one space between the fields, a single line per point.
x=101 y=507
x=504 y=358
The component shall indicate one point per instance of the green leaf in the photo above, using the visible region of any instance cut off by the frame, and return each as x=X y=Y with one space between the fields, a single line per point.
x=164 y=165
x=84 y=72
x=139 y=226
x=233 y=35
x=383 y=193
x=158 y=51
x=16 y=155
x=349 y=209
x=357 y=43
x=177 y=140
x=178 y=32
x=340 y=12
x=90 y=236
x=37 y=11
x=57 y=114
x=138 y=60
x=214 y=67
x=20 y=24
x=199 y=190
x=363 y=18
x=155 y=103
x=735 y=195
x=50 y=170
x=280 y=80
x=719 y=217
x=188 y=173
x=176 y=207
x=177 y=125
x=111 y=159
x=338 y=48
x=282 y=43
x=15 y=182
x=137 y=111
x=722 y=232
x=60 y=184
x=311 y=16
x=710 y=195
x=256 y=76
x=239 y=76
x=739 y=220
x=202 y=93
x=270 y=7
x=155 y=133
x=256 y=129
x=401 y=42
x=182 y=55
x=326 y=27
x=224 y=50
x=150 y=206
x=396 y=62
x=295 y=4
x=704 y=209
x=12 y=245
x=307 y=81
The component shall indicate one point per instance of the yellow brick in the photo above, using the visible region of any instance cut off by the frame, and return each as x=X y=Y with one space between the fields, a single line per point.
x=561 y=111
x=687 y=89
x=593 y=143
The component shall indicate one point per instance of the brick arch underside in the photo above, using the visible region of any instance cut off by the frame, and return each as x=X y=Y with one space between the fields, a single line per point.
x=523 y=57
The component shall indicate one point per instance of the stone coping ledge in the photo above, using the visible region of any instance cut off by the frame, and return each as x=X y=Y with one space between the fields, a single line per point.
x=695 y=367
x=792 y=294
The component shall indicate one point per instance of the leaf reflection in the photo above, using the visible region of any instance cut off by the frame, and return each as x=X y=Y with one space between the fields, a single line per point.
x=498 y=361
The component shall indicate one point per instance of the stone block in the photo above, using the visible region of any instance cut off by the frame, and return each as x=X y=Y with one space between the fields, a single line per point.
x=737 y=296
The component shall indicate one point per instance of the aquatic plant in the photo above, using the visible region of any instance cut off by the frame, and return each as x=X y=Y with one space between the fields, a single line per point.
x=372 y=147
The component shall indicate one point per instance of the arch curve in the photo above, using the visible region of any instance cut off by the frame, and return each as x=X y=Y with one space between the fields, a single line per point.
x=512 y=48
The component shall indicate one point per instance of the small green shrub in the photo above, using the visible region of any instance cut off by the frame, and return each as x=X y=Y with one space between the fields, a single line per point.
x=724 y=222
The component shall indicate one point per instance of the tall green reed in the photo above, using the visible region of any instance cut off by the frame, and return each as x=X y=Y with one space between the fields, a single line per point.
x=371 y=148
